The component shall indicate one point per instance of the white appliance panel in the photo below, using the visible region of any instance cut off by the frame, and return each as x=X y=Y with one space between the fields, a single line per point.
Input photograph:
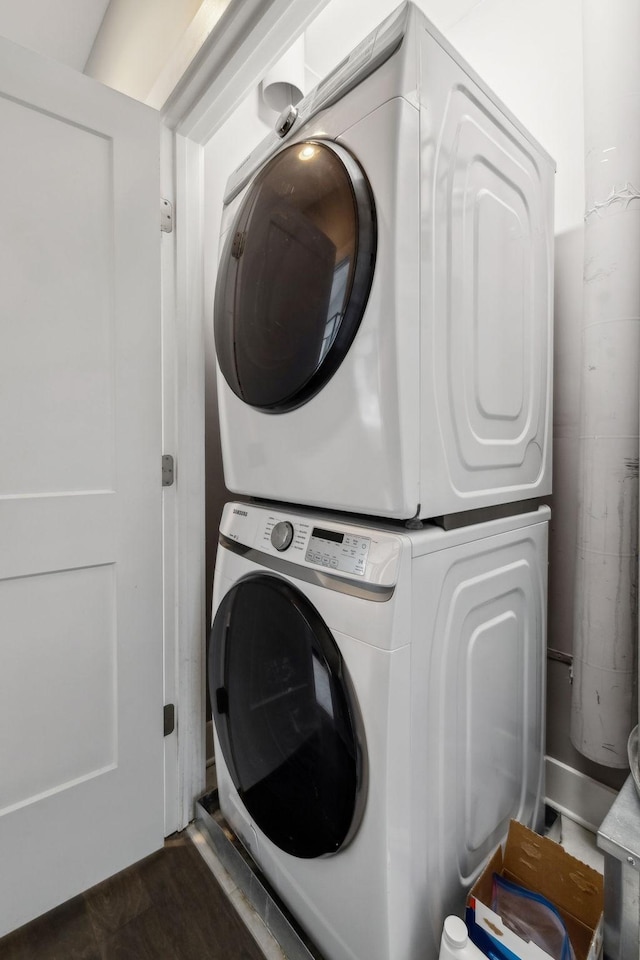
x=443 y=401
x=448 y=676
x=343 y=449
x=483 y=690
x=486 y=280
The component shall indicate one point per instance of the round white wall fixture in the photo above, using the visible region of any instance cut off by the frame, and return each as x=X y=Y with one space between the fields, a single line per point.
x=284 y=84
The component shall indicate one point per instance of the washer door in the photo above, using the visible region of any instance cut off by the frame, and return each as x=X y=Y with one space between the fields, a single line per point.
x=285 y=717
x=295 y=276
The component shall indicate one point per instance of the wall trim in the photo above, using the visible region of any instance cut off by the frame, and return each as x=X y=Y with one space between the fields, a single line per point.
x=577 y=796
x=190 y=483
x=249 y=38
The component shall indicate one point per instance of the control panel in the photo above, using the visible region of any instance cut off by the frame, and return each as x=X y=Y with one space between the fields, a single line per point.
x=336 y=547
x=338 y=550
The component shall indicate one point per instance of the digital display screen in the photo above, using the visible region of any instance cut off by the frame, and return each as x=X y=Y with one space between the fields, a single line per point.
x=328 y=535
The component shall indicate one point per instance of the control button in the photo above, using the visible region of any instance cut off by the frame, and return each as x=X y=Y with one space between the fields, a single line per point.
x=282 y=535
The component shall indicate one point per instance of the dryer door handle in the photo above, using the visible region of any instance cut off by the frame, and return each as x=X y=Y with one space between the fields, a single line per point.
x=222 y=700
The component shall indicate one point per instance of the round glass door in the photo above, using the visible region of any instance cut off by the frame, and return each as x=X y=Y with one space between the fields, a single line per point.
x=295 y=276
x=285 y=717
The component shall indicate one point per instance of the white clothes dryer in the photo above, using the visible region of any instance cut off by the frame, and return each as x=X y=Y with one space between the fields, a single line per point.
x=383 y=304
x=377 y=699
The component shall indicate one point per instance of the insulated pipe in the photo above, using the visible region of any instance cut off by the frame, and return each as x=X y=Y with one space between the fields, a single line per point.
x=603 y=708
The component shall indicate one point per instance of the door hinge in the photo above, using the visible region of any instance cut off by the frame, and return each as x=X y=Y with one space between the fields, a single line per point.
x=166 y=216
x=169 y=718
x=168 y=470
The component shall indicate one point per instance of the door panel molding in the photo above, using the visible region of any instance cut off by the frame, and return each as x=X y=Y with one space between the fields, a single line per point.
x=80 y=519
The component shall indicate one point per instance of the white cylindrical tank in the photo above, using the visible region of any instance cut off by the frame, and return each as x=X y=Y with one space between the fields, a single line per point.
x=605 y=633
x=284 y=84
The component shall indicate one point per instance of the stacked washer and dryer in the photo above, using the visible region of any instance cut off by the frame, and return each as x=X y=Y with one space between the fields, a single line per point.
x=383 y=335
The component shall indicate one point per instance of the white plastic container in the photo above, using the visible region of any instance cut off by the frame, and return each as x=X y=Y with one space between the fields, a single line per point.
x=455 y=943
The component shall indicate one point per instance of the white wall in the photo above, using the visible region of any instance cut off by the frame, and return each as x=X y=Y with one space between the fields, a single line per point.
x=530 y=53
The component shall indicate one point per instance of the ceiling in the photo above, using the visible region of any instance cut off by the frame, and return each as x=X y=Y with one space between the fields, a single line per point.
x=61 y=29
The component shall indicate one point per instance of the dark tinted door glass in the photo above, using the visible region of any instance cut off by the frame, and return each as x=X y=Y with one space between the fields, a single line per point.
x=295 y=276
x=284 y=716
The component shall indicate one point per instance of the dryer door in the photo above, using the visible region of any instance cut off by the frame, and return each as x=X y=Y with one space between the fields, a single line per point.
x=295 y=275
x=285 y=717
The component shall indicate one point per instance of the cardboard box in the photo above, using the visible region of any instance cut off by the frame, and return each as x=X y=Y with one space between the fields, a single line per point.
x=544 y=867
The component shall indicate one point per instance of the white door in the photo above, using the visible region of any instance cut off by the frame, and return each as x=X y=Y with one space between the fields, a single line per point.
x=81 y=790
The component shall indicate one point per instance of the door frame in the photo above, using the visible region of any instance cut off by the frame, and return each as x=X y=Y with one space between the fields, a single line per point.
x=247 y=41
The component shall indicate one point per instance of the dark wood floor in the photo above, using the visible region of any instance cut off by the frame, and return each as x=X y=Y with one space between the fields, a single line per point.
x=167 y=907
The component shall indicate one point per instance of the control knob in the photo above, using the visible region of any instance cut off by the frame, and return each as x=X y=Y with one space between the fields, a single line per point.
x=282 y=534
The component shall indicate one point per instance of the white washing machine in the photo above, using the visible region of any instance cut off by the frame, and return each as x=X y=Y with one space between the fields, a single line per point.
x=383 y=305
x=377 y=698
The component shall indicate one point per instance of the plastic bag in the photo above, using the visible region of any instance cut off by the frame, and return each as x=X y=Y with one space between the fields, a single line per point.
x=532 y=917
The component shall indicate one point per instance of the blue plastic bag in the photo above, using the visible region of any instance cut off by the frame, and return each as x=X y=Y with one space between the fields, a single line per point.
x=532 y=917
